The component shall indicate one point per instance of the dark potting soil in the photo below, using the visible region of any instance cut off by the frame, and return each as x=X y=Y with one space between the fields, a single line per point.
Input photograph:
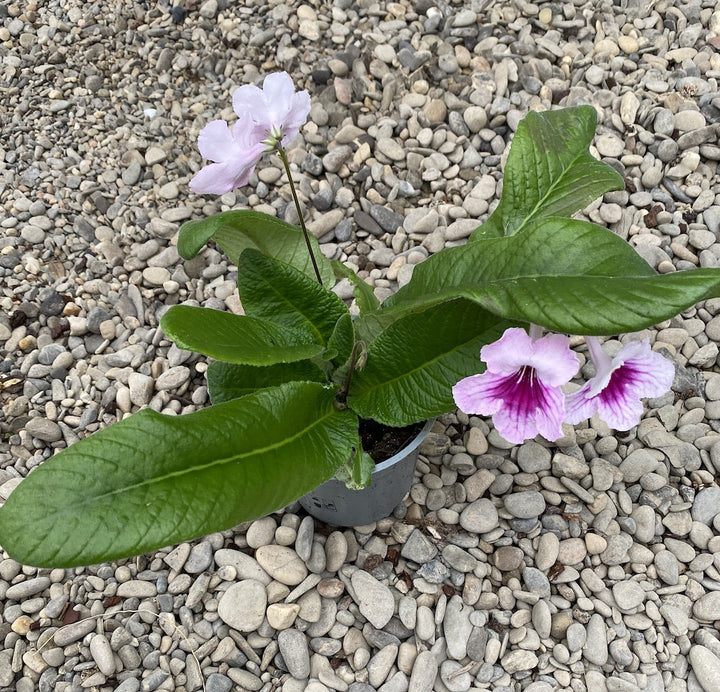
x=381 y=441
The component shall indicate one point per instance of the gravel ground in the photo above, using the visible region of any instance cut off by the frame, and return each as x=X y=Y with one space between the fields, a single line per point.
x=592 y=564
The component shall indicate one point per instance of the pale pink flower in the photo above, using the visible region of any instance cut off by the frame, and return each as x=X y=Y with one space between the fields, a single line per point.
x=235 y=153
x=619 y=384
x=521 y=387
x=277 y=110
x=266 y=117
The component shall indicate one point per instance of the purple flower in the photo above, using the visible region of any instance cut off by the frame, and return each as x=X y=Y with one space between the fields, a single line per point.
x=520 y=388
x=266 y=117
x=619 y=384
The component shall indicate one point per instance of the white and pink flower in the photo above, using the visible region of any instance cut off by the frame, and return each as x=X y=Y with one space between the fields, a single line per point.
x=267 y=117
x=619 y=384
x=521 y=387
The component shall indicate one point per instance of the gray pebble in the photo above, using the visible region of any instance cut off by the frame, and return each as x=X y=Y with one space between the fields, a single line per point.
x=200 y=558
x=294 y=650
x=525 y=505
x=480 y=516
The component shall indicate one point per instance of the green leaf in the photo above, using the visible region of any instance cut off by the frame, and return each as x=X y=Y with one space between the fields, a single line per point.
x=281 y=294
x=342 y=340
x=154 y=480
x=228 y=381
x=567 y=275
x=357 y=473
x=414 y=363
x=363 y=291
x=549 y=171
x=236 y=338
x=240 y=229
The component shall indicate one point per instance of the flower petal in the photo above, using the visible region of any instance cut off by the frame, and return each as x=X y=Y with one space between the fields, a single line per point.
x=620 y=413
x=647 y=371
x=248 y=99
x=216 y=179
x=296 y=117
x=278 y=92
x=216 y=142
x=509 y=353
x=580 y=405
x=475 y=394
x=544 y=416
x=555 y=363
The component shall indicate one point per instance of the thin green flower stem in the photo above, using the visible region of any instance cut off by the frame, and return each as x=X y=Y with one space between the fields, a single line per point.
x=283 y=158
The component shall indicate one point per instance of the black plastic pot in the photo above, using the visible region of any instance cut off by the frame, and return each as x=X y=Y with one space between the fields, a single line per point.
x=334 y=503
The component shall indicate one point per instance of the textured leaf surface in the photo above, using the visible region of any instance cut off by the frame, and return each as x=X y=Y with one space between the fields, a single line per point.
x=412 y=365
x=279 y=293
x=154 y=480
x=236 y=338
x=342 y=340
x=550 y=171
x=228 y=381
x=363 y=291
x=357 y=473
x=240 y=229
x=567 y=275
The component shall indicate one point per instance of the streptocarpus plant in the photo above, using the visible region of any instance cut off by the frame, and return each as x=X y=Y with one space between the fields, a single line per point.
x=292 y=377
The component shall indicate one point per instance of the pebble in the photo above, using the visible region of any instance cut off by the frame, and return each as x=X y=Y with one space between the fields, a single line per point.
x=707 y=607
x=243 y=605
x=281 y=563
x=374 y=598
x=44 y=429
x=479 y=517
x=706 y=505
x=706 y=666
x=525 y=505
x=424 y=672
x=293 y=648
x=596 y=645
x=628 y=594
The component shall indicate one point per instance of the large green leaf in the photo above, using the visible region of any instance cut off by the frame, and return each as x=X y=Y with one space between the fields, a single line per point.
x=240 y=229
x=279 y=293
x=567 y=275
x=412 y=365
x=228 y=381
x=237 y=338
x=154 y=480
x=549 y=171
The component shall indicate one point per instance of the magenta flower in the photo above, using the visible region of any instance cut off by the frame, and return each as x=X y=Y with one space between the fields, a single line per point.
x=619 y=384
x=266 y=117
x=520 y=388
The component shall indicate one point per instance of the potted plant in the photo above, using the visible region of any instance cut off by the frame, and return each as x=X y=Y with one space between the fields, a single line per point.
x=292 y=378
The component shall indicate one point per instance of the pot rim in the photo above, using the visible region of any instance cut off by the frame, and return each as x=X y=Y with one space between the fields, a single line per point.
x=407 y=449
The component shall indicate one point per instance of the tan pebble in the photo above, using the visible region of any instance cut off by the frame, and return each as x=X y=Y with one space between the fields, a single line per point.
x=545 y=15
x=22 y=625
x=280 y=616
x=27 y=343
x=628 y=44
x=595 y=544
